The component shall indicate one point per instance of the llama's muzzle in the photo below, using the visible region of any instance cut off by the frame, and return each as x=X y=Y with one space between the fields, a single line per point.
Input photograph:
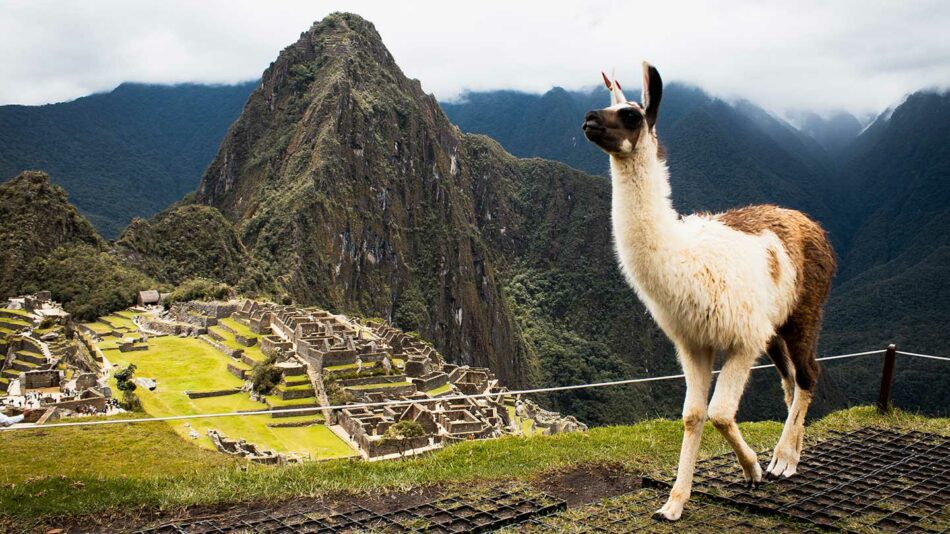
x=593 y=122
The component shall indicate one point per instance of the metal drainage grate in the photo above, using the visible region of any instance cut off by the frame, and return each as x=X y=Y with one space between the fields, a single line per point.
x=867 y=480
x=632 y=512
x=465 y=513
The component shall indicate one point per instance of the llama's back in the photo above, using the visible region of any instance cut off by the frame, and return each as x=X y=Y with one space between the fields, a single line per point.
x=804 y=240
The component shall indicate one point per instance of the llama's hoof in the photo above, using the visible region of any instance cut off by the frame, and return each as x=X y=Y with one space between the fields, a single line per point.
x=752 y=475
x=783 y=465
x=669 y=512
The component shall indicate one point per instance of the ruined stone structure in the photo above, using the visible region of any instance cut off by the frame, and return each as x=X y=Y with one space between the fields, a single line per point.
x=546 y=421
x=370 y=361
x=51 y=378
x=247 y=450
x=38 y=355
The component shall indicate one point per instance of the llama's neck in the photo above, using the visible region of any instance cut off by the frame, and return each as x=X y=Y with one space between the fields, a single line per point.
x=643 y=216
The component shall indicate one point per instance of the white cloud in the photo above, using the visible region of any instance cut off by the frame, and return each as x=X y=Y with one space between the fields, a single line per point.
x=810 y=54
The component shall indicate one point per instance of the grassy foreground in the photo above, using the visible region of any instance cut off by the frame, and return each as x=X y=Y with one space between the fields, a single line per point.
x=100 y=470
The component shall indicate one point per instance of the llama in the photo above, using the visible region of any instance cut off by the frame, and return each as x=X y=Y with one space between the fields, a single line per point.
x=739 y=283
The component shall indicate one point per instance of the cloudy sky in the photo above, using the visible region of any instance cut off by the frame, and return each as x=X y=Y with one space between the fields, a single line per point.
x=857 y=55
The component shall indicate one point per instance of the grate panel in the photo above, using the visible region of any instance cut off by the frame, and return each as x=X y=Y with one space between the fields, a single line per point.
x=869 y=480
x=475 y=512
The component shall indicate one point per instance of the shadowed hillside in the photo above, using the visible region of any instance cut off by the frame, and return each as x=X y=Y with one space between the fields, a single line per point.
x=123 y=154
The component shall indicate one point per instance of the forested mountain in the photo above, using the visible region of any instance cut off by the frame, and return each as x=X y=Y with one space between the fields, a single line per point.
x=895 y=281
x=834 y=132
x=45 y=244
x=130 y=152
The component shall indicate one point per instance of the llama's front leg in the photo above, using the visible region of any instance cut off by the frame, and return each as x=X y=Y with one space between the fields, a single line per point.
x=725 y=404
x=697 y=366
x=788 y=452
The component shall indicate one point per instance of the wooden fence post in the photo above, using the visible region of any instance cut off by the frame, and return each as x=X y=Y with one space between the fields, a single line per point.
x=887 y=379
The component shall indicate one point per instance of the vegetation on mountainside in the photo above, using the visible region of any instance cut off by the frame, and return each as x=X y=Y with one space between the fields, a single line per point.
x=186 y=241
x=89 y=282
x=354 y=198
x=39 y=477
x=127 y=153
x=35 y=218
x=198 y=289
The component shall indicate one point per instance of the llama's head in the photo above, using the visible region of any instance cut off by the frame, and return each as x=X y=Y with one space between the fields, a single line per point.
x=624 y=126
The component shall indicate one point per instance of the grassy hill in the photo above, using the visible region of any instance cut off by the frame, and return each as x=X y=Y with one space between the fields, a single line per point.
x=56 y=475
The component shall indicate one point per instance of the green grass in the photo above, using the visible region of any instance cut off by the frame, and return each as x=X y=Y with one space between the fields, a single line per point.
x=647 y=447
x=17 y=322
x=21 y=313
x=344 y=367
x=99 y=328
x=188 y=364
x=122 y=322
x=277 y=402
x=138 y=452
x=380 y=385
x=445 y=388
x=228 y=338
x=296 y=380
x=254 y=352
x=238 y=328
x=297 y=387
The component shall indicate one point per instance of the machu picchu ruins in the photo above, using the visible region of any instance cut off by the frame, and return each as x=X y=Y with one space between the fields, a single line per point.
x=46 y=365
x=356 y=387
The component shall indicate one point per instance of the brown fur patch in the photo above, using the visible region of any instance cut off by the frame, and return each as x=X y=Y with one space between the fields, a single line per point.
x=774 y=268
x=807 y=245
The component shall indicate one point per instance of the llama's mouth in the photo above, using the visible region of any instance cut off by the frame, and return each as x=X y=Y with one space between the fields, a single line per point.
x=592 y=125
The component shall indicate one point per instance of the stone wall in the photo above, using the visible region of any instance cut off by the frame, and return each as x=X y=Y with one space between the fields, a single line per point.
x=435 y=379
x=212 y=393
x=233 y=353
x=372 y=380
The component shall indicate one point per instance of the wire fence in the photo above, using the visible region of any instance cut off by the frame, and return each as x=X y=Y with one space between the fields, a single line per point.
x=446 y=398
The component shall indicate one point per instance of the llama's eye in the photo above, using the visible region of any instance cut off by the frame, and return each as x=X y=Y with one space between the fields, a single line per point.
x=630 y=117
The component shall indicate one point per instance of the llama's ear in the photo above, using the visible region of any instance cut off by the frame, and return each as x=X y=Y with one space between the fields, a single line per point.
x=616 y=95
x=652 y=93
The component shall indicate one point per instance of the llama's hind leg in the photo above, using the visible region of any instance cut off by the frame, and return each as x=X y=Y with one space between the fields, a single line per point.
x=725 y=404
x=788 y=451
x=697 y=366
x=778 y=353
x=802 y=340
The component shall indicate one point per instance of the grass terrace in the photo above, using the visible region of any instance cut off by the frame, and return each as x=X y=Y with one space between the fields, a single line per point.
x=188 y=364
x=238 y=328
x=18 y=322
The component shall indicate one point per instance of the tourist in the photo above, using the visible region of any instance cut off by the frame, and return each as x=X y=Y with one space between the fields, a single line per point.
x=12 y=420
